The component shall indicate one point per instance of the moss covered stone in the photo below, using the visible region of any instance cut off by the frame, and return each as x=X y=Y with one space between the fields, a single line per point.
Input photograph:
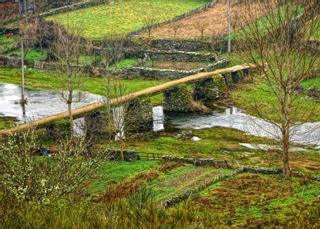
x=205 y=90
x=177 y=99
x=138 y=116
x=221 y=84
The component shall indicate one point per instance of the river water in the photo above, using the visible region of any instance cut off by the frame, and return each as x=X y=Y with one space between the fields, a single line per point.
x=44 y=103
x=305 y=134
x=40 y=103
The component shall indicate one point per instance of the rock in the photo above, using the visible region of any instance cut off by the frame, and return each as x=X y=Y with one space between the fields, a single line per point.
x=195 y=139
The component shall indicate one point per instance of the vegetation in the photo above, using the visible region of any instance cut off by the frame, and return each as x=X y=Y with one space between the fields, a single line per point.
x=258 y=98
x=78 y=186
x=50 y=80
x=311 y=83
x=7 y=43
x=122 y=17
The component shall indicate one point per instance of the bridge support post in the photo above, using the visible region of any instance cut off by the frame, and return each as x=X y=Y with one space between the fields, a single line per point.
x=138 y=116
x=205 y=90
x=236 y=77
x=57 y=129
x=180 y=99
x=100 y=125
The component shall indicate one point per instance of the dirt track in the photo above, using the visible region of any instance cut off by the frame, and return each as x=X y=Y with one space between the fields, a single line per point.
x=213 y=19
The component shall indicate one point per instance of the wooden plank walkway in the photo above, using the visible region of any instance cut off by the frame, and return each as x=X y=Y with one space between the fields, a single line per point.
x=122 y=99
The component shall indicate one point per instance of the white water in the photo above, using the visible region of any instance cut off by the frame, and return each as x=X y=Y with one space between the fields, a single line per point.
x=306 y=133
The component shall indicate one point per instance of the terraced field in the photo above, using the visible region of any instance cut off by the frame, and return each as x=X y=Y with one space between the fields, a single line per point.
x=123 y=17
x=213 y=21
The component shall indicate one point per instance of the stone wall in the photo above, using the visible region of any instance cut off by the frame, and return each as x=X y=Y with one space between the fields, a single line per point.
x=172 y=55
x=10 y=61
x=190 y=45
x=128 y=155
x=75 y=6
x=199 y=161
x=155 y=73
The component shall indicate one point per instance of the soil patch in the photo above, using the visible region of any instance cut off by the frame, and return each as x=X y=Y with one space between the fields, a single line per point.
x=213 y=20
x=175 y=65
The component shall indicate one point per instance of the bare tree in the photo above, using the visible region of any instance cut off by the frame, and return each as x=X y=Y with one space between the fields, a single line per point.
x=201 y=27
x=175 y=28
x=149 y=22
x=279 y=43
x=66 y=48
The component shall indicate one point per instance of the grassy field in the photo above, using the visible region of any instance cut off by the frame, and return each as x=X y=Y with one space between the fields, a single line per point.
x=312 y=83
x=112 y=172
x=257 y=98
x=123 y=17
x=251 y=200
x=49 y=80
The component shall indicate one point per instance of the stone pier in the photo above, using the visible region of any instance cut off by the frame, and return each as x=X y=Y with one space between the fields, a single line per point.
x=138 y=116
x=180 y=99
x=205 y=90
x=100 y=125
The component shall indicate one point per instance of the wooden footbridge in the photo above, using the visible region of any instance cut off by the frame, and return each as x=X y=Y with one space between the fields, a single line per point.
x=145 y=92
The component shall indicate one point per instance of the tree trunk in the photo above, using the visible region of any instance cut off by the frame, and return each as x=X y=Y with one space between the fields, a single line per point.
x=70 y=118
x=23 y=99
x=285 y=130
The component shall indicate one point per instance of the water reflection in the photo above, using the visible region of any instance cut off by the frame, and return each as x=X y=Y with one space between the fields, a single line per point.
x=40 y=103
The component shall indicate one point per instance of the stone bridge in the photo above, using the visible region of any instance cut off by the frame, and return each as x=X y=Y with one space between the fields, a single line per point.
x=177 y=97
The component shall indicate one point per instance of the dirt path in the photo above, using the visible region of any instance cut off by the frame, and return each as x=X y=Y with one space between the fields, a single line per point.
x=213 y=19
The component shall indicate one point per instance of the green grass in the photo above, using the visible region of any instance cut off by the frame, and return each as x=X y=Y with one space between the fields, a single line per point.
x=268 y=22
x=181 y=179
x=219 y=143
x=123 y=16
x=258 y=99
x=248 y=199
x=125 y=63
x=49 y=80
x=31 y=55
x=117 y=171
x=6 y=123
x=316 y=26
x=7 y=43
x=311 y=83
